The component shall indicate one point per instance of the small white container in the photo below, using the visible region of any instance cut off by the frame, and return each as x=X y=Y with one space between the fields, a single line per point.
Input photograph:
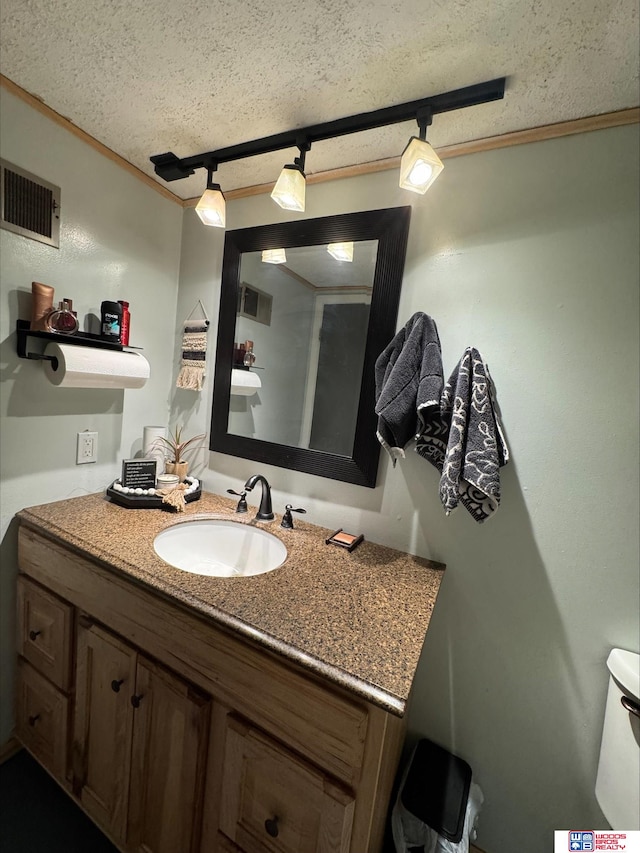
x=152 y=446
x=167 y=482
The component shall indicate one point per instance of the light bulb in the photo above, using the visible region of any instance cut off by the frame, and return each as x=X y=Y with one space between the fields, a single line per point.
x=420 y=173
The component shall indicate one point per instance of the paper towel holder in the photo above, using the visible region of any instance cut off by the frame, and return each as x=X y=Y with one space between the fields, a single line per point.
x=84 y=339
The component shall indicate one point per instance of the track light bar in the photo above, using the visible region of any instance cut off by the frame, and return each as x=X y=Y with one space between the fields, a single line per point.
x=171 y=168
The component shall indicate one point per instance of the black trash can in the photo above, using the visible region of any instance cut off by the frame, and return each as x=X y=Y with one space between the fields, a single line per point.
x=435 y=789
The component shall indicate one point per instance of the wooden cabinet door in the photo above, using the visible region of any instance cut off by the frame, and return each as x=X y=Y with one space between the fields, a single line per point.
x=105 y=679
x=44 y=632
x=275 y=802
x=171 y=723
x=42 y=720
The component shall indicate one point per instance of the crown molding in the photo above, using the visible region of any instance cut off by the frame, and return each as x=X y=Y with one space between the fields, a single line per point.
x=39 y=105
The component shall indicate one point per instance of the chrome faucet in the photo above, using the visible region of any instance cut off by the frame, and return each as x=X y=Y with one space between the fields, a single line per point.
x=265 y=511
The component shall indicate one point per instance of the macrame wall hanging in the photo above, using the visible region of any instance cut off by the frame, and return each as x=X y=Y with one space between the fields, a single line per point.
x=194 y=351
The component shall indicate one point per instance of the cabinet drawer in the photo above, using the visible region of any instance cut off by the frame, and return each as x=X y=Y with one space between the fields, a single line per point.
x=275 y=802
x=44 y=632
x=42 y=719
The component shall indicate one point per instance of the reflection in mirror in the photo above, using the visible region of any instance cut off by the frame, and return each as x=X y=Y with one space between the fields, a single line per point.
x=305 y=309
x=307 y=318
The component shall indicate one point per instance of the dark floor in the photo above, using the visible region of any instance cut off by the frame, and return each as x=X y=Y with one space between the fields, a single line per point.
x=36 y=816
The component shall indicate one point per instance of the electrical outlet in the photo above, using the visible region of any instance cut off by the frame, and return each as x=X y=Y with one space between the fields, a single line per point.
x=87 y=449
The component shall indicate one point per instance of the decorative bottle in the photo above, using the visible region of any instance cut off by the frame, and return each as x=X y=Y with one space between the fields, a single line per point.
x=126 y=319
x=62 y=319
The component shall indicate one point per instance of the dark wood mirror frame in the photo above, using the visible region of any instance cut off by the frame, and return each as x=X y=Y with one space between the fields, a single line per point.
x=390 y=227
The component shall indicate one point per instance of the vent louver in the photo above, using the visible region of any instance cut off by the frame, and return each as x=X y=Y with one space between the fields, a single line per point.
x=30 y=206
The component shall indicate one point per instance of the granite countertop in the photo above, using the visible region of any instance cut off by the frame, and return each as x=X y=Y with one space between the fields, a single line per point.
x=356 y=618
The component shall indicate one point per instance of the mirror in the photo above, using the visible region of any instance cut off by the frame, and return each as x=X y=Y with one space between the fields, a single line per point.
x=315 y=323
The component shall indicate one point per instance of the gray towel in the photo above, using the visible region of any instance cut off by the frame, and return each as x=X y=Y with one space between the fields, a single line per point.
x=466 y=443
x=409 y=380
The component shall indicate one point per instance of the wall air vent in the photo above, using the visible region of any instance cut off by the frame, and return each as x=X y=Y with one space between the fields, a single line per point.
x=30 y=206
x=254 y=303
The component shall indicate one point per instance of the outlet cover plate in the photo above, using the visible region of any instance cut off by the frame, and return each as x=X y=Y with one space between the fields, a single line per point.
x=87 y=447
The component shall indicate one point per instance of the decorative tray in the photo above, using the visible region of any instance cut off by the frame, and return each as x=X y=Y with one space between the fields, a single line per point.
x=147 y=498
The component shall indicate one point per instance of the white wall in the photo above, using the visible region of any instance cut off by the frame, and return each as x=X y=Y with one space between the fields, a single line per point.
x=530 y=254
x=119 y=240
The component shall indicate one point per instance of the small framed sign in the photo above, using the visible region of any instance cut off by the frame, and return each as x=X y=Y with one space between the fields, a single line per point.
x=139 y=473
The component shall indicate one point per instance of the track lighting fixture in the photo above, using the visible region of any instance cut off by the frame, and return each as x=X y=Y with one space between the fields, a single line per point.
x=419 y=164
x=419 y=167
x=274 y=256
x=341 y=251
x=212 y=207
x=289 y=191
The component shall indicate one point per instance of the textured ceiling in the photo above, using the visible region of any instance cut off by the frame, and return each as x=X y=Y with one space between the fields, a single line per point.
x=190 y=76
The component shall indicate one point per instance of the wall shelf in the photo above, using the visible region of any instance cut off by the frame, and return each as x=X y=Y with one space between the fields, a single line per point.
x=82 y=339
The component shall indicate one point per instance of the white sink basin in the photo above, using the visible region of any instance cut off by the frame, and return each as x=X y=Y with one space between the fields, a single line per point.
x=219 y=548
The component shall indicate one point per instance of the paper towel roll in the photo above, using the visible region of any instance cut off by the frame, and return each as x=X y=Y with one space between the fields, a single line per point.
x=90 y=367
x=244 y=382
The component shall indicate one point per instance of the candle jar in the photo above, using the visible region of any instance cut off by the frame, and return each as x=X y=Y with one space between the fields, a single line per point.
x=167 y=482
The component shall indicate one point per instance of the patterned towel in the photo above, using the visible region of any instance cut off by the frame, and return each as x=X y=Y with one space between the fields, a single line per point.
x=409 y=379
x=466 y=442
x=194 y=354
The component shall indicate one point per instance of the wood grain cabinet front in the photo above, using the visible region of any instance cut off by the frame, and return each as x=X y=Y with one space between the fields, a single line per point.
x=42 y=719
x=103 y=725
x=44 y=640
x=139 y=747
x=241 y=752
x=45 y=625
x=275 y=802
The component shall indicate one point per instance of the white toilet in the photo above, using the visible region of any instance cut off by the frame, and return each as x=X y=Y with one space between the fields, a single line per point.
x=617 y=784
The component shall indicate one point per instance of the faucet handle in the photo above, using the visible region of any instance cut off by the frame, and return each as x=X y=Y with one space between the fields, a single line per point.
x=287 y=520
x=242 y=503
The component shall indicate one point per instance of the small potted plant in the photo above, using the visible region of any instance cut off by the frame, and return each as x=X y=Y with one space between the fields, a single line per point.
x=178 y=448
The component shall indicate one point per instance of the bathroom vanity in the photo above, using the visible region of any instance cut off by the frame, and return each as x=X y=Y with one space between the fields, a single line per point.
x=187 y=713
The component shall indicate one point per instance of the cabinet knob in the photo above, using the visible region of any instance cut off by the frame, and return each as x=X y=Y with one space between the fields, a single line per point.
x=135 y=700
x=115 y=685
x=34 y=719
x=271 y=825
x=34 y=634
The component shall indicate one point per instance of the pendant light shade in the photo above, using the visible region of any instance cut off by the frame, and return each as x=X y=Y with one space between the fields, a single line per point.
x=341 y=251
x=212 y=207
x=274 y=256
x=289 y=190
x=419 y=166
